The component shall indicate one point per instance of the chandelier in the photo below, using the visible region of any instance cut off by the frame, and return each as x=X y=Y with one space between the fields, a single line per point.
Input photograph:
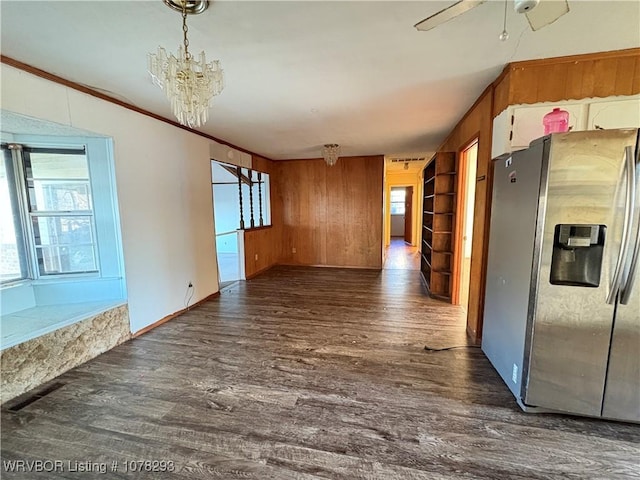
x=331 y=153
x=189 y=84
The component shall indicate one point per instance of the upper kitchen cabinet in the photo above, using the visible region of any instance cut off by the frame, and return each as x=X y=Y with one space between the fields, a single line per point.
x=527 y=122
x=519 y=125
x=614 y=114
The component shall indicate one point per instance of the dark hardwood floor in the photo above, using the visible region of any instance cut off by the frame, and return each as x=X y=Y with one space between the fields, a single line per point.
x=401 y=256
x=309 y=373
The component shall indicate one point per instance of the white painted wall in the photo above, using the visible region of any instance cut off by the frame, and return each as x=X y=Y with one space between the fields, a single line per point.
x=397 y=225
x=164 y=191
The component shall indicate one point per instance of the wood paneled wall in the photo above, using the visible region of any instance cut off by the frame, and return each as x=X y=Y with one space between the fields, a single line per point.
x=477 y=123
x=554 y=79
x=575 y=77
x=332 y=216
x=265 y=242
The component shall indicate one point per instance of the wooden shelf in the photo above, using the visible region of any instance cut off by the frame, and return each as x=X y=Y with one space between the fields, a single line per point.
x=439 y=193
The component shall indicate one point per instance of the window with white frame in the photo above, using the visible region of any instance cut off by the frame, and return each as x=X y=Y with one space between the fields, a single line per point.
x=398 y=196
x=48 y=225
x=60 y=240
x=13 y=258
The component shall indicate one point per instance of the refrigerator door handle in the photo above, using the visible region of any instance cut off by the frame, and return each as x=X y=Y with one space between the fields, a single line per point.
x=629 y=207
x=627 y=288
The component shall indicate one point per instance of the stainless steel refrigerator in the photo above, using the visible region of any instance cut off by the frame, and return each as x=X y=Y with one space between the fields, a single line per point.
x=562 y=302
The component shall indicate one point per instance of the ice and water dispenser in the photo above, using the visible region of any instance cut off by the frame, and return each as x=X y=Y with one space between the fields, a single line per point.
x=577 y=255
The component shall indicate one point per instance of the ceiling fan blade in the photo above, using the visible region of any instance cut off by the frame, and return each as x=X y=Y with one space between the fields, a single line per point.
x=547 y=12
x=447 y=14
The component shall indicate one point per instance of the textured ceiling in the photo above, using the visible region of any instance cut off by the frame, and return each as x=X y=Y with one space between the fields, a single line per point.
x=300 y=74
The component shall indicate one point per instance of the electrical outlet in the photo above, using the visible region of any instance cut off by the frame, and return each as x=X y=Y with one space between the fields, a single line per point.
x=293 y=250
x=256 y=256
x=514 y=373
x=190 y=285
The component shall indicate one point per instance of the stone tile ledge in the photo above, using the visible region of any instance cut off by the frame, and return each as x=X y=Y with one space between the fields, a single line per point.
x=25 y=325
x=29 y=364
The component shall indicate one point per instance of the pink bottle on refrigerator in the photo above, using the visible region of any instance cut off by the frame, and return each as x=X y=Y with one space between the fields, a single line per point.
x=556 y=121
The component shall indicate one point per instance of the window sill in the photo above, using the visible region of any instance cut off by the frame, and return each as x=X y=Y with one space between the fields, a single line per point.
x=28 y=294
x=68 y=278
x=16 y=284
x=34 y=322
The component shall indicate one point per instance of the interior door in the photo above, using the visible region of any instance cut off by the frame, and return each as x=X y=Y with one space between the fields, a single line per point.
x=467 y=196
x=408 y=215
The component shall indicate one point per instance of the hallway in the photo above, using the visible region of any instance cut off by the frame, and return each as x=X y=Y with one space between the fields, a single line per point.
x=401 y=256
x=306 y=373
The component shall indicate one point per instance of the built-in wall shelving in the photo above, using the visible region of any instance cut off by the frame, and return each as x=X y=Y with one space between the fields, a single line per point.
x=438 y=220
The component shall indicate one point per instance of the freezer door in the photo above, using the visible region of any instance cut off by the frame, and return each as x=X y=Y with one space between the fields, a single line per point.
x=516 y=188
x=572 y=325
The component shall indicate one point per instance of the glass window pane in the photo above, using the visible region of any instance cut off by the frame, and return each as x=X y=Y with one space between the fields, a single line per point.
x=58 y=165
x=62 y=230
x=246 y=204
x=11 y=263
x=266 y=199
x=397 y=195
x=397 y=208
x=227 y=210
x=220 y=174
x=251 y=199
x=59 y=195
x=66 y=259
x=259 y=199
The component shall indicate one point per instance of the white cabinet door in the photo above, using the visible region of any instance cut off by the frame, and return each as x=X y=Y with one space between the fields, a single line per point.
x=501 y=141
x=527 y=122
x=615 y=114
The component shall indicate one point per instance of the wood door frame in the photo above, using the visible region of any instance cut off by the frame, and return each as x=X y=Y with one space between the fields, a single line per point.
x=461 y=212
x=408 y=220
x=415 y=192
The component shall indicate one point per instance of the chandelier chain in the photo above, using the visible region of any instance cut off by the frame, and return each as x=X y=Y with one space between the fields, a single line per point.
x=185 y=29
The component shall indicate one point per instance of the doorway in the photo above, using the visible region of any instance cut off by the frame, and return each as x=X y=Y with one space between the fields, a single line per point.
x=402 y=213
x=229 y=239
x=401 y=254
x=466 y=196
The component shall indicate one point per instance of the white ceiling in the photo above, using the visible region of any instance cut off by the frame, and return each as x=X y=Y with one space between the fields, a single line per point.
x=300 y=74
